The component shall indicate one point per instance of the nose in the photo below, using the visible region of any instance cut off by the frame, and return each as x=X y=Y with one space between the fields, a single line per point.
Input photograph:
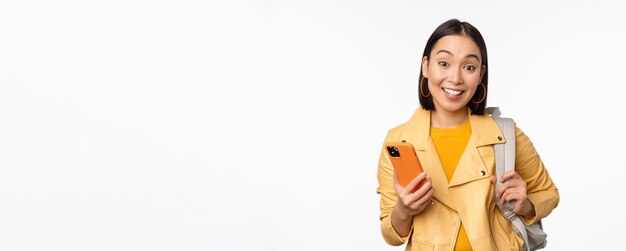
x=455 y=76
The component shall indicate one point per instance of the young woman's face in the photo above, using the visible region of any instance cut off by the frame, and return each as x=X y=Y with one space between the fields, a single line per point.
x=454 y=72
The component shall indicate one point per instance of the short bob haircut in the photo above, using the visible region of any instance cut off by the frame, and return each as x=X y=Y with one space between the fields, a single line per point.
x=456 y=27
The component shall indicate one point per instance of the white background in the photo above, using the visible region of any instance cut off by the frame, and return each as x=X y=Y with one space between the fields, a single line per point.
x=239 y=125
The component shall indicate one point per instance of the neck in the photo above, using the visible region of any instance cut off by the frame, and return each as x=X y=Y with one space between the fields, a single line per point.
x=446 y=119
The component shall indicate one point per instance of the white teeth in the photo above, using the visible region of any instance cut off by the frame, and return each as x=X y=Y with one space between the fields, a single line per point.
x=452 y=92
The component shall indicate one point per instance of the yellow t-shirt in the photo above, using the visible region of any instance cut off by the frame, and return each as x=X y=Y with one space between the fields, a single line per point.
x=450 y=144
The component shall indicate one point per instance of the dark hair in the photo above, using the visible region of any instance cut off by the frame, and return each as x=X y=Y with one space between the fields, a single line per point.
x=456 y=27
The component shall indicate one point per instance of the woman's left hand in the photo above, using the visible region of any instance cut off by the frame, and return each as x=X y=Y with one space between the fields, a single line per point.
x=514 y=189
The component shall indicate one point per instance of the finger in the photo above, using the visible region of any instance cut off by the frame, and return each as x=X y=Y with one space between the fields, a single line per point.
x=499 y=191
x=518 y=206
x=509 y=184
x=518 y=195
x=509 y=195
x=493 y=179
x=509 y=175
x=503 y=198
x=421 y=192
x=396 y=183
x=413 y=184
x=502 y=190
x=506 y=198
x=420 y=209
x=427 y=198
x=423 y=202
x=513 y=196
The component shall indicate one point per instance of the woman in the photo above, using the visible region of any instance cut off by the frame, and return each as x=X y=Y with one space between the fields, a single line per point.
x=455 y=208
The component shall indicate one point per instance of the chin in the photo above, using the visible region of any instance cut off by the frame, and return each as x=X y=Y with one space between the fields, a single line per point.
x=454 y=107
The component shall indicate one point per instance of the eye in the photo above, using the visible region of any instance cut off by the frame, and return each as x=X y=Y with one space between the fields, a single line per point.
x=443 y=63
x=469 y=67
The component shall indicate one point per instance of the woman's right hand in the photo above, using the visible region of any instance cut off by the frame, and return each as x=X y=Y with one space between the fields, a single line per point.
x=410 y=203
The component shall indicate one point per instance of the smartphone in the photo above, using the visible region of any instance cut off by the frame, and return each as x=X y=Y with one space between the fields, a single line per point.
x=405 y=162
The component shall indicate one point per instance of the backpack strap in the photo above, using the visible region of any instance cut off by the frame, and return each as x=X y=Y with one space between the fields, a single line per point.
x=505 y=161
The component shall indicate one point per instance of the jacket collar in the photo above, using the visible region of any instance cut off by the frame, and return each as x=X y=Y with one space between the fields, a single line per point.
x=485 y=131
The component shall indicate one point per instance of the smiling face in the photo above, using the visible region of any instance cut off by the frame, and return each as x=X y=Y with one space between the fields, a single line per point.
x=454 y=71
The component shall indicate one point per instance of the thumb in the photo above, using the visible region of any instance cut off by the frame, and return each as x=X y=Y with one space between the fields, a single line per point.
x=493 y=179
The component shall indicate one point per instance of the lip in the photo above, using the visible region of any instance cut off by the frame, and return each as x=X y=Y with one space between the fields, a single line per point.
x=454 y=89
x=450 y=96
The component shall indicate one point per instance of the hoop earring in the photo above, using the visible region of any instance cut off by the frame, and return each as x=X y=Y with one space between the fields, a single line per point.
x=484 y=94
x=422 y=90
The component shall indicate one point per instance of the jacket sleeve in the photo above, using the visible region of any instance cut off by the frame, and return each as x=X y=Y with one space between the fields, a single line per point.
x=542 y=192
x=388 y=198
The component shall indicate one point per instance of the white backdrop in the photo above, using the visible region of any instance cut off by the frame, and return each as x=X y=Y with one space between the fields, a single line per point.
x=238 y=125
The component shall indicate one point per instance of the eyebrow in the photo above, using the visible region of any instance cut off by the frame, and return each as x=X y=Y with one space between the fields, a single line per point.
x=468 y=56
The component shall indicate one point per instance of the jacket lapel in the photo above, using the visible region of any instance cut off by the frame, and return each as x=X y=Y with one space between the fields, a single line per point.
x=471 y=167
x=485 y=132
x=417 y=132
x=435 y=171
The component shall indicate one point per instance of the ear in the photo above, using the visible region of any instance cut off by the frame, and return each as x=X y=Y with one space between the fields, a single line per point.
x=425 y=67
x=482 y=71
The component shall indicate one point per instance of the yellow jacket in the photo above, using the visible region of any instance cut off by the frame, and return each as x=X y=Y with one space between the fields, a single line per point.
x=469 y=196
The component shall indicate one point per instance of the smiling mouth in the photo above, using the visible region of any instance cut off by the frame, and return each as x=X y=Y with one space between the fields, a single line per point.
x=452 y=92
